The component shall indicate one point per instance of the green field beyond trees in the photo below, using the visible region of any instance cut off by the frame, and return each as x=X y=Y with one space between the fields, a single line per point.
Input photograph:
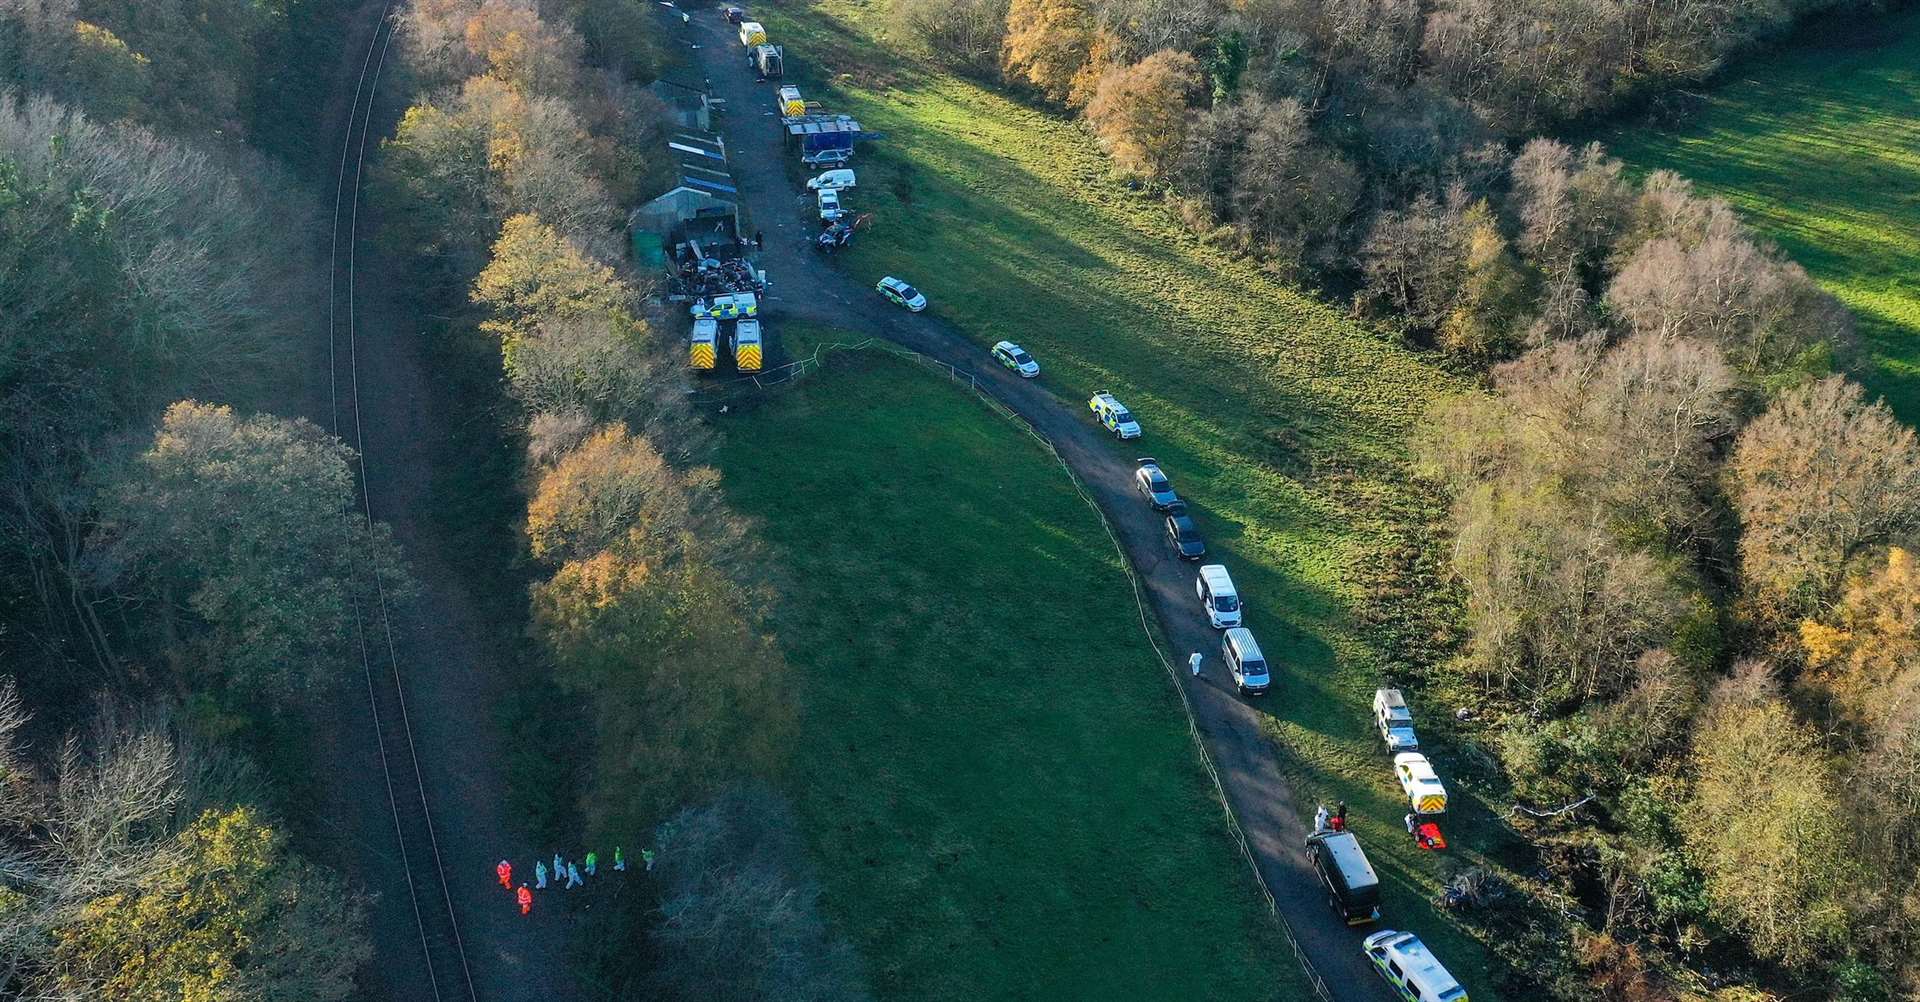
x=1283 y=422
x=992 y=770
x=1819 y=147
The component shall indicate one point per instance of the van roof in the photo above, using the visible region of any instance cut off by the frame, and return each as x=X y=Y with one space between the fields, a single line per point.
x=1344 y=848
x=1242 y=638
x=747 y=330
x=1390 y=697
x=1216 y=577
x=1419 y=964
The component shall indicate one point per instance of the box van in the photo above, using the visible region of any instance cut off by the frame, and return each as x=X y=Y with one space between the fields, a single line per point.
x=706 y=331
x=1353 y=889
x=746 y=346
x=839 y=177
x=791 y=103
x=1244 y=660
x=1217 y=596
x=752 y=34
x=1406 y=965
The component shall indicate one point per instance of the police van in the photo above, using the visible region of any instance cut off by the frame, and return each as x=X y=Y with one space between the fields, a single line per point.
x=1353 y=889
x=1113 y=415
x=1406 y=965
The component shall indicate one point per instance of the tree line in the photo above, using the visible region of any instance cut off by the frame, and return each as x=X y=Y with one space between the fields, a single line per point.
x=1680 y=538
x=177 y=566
x=1291 y=129
x=504 y=182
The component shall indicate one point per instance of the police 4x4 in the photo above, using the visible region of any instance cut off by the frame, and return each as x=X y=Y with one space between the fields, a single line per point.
x=1113 y=415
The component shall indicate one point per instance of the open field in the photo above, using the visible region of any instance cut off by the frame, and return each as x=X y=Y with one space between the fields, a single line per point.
x=992 y=769
x=1284 y=421
x=1819 y=147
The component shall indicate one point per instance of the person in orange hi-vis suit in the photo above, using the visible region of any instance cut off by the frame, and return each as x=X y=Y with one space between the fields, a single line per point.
x=505 y=870
x=526 y=900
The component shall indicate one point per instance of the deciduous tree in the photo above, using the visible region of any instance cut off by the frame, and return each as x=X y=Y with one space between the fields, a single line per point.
x=1140 y=111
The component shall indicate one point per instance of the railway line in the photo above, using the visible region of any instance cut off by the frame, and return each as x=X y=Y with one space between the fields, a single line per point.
x=447 y=975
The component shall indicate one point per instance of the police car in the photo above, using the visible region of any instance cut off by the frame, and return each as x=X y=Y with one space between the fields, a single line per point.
x=901 y=293
x=1016 y=358
x=1113 y=415
x=1410 y=969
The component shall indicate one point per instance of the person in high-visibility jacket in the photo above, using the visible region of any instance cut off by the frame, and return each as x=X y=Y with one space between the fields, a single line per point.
x=505 y=872
x=526 y=900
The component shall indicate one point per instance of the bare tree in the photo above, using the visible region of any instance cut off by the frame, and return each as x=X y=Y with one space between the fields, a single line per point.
x=1819 y=477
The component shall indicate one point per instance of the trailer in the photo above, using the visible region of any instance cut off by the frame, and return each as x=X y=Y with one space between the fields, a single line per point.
x=821 y=139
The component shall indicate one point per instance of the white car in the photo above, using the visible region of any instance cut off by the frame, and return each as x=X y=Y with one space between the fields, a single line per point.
x=1420 y=783
x=1214 y=587
x=901 y=293
x=1016 y=358
x=830 y=209
x=1113 y=415
x=1394 y=720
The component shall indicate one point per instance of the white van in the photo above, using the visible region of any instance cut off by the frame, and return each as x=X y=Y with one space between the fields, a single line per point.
x=839 y=177
x=829 y=199
x=1217 y=596
x=1244 y=660
x=1406 y=965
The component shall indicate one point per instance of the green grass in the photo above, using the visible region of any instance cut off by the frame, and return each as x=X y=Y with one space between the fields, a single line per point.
x=1819 y=147
x=1281 y=418
x=992 y=769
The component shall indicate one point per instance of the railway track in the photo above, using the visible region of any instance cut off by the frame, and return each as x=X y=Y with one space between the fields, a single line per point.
x=447 y=976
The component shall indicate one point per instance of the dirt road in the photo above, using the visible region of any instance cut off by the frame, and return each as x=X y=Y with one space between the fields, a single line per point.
x=1230 y=726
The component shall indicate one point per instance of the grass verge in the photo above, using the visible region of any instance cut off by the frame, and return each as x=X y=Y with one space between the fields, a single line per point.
x=1819 y=147
x=993 y=773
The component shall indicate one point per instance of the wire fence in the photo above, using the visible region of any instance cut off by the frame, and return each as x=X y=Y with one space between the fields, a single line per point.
x=794 y=371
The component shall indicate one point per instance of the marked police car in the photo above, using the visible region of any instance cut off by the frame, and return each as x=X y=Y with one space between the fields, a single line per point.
x=901 y=293
x=1410 y=969
x=1152 y=483
x=1016 y=358
x=1113 y=415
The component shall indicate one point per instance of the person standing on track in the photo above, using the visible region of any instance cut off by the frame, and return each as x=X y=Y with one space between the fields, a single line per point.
x=646 y=856
x=559 y=869
x=619 y=861
x=1194 y=664
x=540 y=875
x=526 y=900
x=505 y=872
x=593 y=862
x=573 y=875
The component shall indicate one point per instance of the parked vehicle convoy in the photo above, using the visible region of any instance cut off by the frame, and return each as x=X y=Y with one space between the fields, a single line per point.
x=902 y=294
x=746 y=346
x=1113 y=415
x=1420 y=783
x=752 y=34
x=839 y=179
x=829 y=201
x=1184 y=537
x=1245 y=662
x=1215 y=587
x=1152 y=483
x=700 y=346
x=1353 y=889
x=1394 y=720
x=1410 y=969
x=1014 y=357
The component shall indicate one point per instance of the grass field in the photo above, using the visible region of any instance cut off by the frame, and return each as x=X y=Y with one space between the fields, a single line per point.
x=1282 y=419
x=1819 y=147
x=992 y=768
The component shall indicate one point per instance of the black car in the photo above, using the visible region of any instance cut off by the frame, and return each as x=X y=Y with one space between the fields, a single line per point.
x=1184 y=536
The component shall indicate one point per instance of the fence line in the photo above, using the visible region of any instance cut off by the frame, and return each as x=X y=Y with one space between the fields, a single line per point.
x=793 y=371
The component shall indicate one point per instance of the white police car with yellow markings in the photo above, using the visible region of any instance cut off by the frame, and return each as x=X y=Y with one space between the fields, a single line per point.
x=1113 y=415
x=1410 y=969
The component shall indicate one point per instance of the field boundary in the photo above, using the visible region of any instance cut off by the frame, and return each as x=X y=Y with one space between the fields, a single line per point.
x=792 y=372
